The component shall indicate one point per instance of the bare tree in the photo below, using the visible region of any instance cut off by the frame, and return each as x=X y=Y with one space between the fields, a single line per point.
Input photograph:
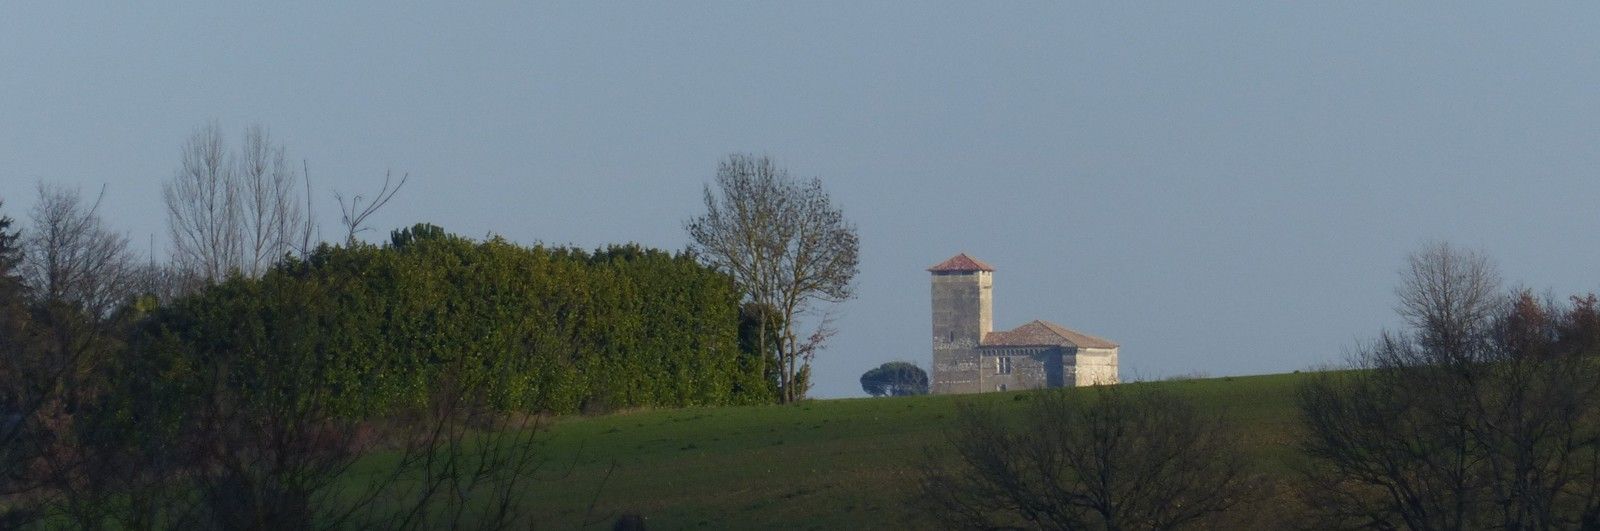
x=1448 y=296
x=203 y=207
x=72 y=258
x=272 y=220
x=231 y=212
x=1115 y=457
x=1486 y=414
x=786 y=246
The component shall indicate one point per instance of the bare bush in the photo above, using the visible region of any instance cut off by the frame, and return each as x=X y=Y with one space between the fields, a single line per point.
x=1486 y=414
x=467 y=467
x=1115 y=457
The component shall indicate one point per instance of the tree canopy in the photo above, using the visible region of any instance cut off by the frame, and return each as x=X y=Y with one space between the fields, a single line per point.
x=895 y=378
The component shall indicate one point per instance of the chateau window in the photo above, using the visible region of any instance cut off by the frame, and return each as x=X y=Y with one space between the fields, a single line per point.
x=1002 y=365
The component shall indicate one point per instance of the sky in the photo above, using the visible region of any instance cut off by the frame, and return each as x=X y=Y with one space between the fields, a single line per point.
x=1221 y=188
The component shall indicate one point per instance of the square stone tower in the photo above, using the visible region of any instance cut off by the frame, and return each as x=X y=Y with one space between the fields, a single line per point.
x=963 y=313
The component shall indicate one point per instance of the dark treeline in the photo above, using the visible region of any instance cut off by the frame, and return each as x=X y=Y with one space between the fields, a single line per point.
x=237 y=382
x=245 y=403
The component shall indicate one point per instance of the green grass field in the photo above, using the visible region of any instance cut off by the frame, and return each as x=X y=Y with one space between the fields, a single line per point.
x=823 y=464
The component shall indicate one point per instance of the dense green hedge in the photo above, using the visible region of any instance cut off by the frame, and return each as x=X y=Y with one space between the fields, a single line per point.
x=544 y=329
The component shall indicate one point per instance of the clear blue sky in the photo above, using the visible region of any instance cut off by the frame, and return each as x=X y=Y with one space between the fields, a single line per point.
x=1222 y=188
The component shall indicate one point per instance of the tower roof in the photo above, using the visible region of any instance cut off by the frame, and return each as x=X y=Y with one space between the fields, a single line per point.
x=960 y=263
x=1044 y=333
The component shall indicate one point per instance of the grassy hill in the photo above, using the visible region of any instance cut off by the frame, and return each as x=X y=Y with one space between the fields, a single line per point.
x=820 y=464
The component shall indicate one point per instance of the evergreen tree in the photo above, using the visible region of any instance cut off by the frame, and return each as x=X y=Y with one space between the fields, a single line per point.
x=13 y=309
x=896 y=378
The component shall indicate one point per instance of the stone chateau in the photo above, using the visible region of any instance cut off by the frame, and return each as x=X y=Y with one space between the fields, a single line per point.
x=970 y=357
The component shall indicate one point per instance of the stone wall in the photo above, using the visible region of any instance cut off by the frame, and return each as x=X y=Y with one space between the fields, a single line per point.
x=963 y=310
x=1030 y=368
x=963 y=306
x=955 y=370
x=1093 y=366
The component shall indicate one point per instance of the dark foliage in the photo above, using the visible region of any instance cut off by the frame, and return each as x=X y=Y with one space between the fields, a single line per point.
x=1485 y=415
x=624 y=326
x=62 y=320
x=248 y=403
x=13 y=330
x=895 y=378
x=758 y=323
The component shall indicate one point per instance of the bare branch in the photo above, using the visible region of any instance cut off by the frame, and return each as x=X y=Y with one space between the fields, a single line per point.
x=355 y=212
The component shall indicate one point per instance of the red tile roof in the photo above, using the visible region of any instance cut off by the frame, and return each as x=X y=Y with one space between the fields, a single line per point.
x=960 y=263
x=1042 y=333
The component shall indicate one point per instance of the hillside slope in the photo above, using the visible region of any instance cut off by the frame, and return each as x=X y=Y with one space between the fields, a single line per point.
x=820 y=464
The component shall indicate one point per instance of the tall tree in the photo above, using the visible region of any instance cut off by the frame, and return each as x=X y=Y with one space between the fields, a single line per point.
x=786 y=245
x=11 y=287
x=13 y=307
x=230 y=212
x=13 y=396
x=272 y=221
x=1449 y=296
x=203 y=207
x=78 y=276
